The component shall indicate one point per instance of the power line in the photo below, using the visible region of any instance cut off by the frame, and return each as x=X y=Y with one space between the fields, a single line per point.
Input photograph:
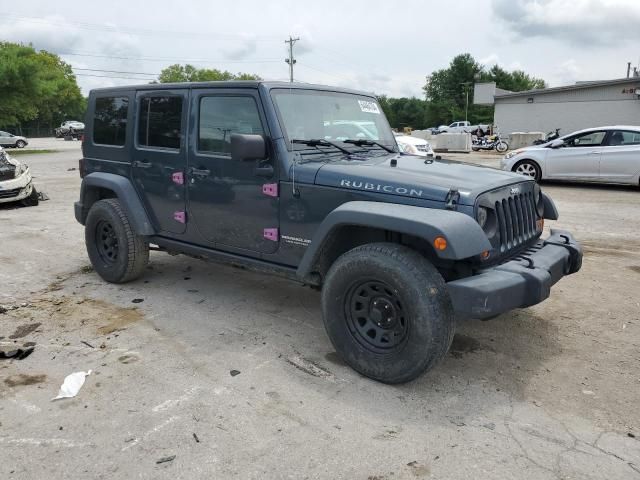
x=291 y=61
x=111 y=76
x=163 y=59
x=114 y=71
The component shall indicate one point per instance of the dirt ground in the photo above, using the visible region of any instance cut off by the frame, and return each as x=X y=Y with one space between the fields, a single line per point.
x=223 y=373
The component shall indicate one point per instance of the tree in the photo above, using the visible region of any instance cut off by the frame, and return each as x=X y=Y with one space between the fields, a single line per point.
x=36 y=86
x=404 y=112
x=446 y=90
x=189 y=73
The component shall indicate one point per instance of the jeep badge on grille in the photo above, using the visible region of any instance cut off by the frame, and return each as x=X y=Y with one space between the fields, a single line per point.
x=514 y=190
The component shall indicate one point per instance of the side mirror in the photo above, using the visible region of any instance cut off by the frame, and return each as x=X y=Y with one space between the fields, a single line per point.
x=557 y=143
x=248 y=147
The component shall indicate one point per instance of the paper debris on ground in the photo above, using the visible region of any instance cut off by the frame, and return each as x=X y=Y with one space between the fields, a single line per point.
x=72 y=385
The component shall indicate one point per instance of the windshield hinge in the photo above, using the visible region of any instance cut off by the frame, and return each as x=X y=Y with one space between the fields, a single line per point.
x=451 y=200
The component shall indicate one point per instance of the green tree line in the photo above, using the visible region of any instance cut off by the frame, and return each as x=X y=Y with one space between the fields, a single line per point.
x=446 y=95
x=36 y=87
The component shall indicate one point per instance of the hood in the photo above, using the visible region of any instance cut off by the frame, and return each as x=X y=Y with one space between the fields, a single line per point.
x=415 y=177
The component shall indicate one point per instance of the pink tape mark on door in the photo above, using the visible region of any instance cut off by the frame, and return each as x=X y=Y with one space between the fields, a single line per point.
x=177 y=178
x=270 y=189
x=180 y=217
x=271 y=234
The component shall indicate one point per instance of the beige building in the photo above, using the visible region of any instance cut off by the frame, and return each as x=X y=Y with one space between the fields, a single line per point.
x=570 y=108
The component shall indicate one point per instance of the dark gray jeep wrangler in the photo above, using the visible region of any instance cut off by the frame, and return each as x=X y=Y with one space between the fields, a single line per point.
x=308 y=182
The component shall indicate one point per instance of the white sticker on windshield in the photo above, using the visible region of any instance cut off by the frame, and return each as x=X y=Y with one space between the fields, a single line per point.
x=369 y=107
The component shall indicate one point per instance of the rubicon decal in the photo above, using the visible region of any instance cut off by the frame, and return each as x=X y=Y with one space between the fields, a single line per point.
x=377 y=187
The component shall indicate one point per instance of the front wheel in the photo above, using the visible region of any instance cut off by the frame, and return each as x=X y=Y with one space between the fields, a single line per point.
x=115 y=251
x=528 y=168
x=502 y=146
x=387 y=312
x=21 y=144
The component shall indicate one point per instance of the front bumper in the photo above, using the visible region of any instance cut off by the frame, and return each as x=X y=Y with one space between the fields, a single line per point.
x=16 y=189
x=520 y=282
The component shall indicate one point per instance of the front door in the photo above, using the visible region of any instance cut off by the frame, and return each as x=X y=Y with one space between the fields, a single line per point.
x=579 y=158
x=621 y=157
x=234 y=204
x=159 y=156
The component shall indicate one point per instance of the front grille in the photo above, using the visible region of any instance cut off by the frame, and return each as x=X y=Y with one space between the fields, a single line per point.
x=516 y=220
x=512 y=218
x=9 y=193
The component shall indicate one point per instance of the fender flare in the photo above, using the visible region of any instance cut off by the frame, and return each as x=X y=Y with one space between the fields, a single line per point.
x=549 y=208
x=464 y=236
x=125 y=192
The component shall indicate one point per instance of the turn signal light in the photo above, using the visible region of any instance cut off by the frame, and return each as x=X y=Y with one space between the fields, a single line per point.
x=540 y=224
x=485 y=255
x=440 y=243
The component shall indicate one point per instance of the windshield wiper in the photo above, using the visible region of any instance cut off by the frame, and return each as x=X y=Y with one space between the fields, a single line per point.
x=360 y=142
x=318 y=142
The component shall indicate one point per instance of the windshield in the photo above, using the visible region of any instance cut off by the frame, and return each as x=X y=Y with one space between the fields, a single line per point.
x=317 y=115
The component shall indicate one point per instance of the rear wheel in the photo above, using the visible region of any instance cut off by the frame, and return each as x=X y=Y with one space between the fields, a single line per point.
x=528 y=168
x=115 y=251
x=387 y=312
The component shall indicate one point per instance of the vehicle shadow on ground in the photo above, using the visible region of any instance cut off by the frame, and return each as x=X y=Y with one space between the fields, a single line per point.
x=500 y=355
x=591 y=186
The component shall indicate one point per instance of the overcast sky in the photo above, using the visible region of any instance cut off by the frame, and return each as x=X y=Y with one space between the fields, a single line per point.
x=382 y=46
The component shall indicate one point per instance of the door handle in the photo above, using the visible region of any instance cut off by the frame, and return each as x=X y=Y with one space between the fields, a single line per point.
x=264 y=171
x=140 y=164
x=199 y=172
x=595 y=153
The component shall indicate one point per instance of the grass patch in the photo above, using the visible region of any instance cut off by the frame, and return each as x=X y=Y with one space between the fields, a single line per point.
x=17 y=153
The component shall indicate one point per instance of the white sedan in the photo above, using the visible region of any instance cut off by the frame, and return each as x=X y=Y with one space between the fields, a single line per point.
x=414 y=145
x=603 y=154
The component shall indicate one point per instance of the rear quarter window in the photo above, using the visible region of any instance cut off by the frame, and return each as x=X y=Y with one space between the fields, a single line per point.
x=110 y=121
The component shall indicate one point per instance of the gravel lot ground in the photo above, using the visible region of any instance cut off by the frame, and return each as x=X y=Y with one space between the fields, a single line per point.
x=547 y=392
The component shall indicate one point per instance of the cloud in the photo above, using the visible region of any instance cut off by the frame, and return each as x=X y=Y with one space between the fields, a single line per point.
x=243 y=48
x=578 y=22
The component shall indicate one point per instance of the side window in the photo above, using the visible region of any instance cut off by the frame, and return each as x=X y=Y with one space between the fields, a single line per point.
x=624 y=138
x=160 y=122
x=222 y=116
x=589 y=139
x=110 y=121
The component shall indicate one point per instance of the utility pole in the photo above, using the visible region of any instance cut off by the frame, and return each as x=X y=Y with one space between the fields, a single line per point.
x=466 y=86
x=291 y=61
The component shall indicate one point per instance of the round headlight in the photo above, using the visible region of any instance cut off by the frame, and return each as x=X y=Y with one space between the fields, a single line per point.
x=481 y=216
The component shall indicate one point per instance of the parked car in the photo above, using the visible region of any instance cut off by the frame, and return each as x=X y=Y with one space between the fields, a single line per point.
x=461 y=127
x=414 y=145
x=70 y=128
x=243 y=173
x=16 y=184
x=10 y=140
x=603 y=154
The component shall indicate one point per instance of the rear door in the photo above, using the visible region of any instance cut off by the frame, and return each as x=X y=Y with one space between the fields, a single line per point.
x=578 y=159
x=234 y=204
x=6 y=138
x=159 y=156
x=620 y=161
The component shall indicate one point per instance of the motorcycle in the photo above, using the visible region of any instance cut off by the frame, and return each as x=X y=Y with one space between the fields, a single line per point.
x=550 y=136
x=491 y=142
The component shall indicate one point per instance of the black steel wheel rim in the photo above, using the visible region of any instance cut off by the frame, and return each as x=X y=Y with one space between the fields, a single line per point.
x=107 y=242
x=376 y=317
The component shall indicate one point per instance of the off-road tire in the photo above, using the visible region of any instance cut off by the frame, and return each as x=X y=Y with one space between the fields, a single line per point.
x=32 y=200
x=424 y=319
x=20 y=144
x=107 y=226
x=531 y=166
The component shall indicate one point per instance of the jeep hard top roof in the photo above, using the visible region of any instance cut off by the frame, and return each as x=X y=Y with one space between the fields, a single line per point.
x=231 y=84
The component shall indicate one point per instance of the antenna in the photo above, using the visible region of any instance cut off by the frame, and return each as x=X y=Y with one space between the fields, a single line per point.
x=291 y=61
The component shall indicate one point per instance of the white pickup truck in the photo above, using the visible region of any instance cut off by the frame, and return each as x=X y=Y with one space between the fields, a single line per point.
x=461 y=127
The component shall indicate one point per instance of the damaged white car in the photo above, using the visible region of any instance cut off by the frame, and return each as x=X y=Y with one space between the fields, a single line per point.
x=16 y=184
